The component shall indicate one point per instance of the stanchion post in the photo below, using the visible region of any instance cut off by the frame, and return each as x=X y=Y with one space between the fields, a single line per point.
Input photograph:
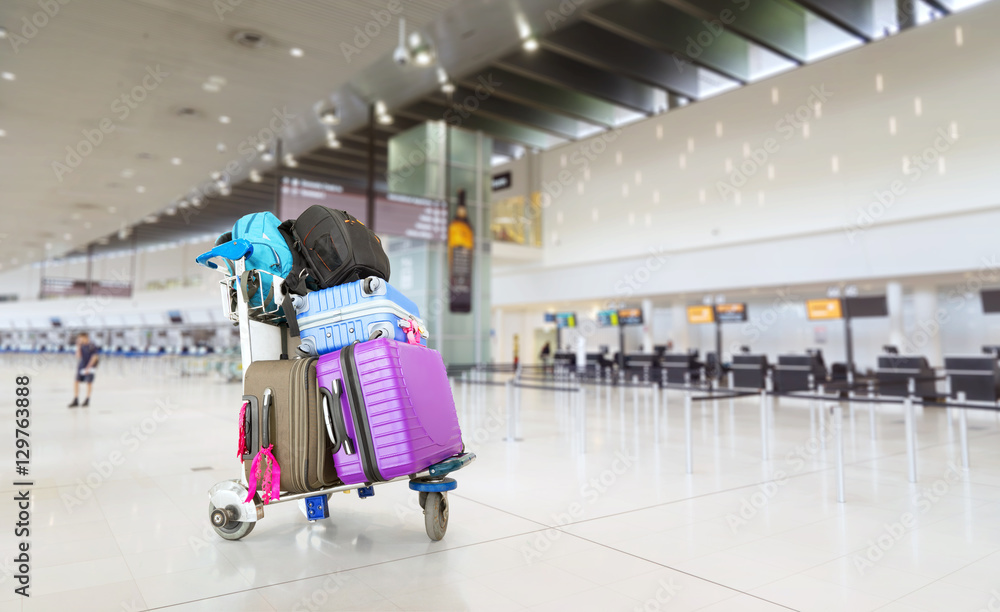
x=838 y=431
x=688 y=434
x=871 y=407
x=911 y=432
x=764 y=453
x=963 y=431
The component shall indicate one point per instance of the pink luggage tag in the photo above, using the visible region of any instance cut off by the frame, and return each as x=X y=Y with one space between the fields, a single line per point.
x=270 y=474
x=242 y=448
x=412 y=329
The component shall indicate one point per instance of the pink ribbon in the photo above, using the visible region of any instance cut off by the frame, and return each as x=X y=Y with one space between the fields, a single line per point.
x=270 y=475
x=412 y=331
x=242 y=448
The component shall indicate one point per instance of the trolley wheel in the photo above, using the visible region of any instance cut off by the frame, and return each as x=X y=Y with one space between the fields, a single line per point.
x=422 y=496
x=436 y=515
x=224 y=525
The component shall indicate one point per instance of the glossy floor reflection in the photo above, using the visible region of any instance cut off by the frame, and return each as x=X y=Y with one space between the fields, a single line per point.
x=591 y=510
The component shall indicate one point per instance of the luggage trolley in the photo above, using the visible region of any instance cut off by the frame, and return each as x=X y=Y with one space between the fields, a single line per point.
x=261 y=337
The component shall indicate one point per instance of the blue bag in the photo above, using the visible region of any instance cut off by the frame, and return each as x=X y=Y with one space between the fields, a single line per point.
x=271 y=252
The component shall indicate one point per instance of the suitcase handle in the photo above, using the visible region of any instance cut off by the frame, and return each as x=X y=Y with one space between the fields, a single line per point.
x=335 y=427
x=265 y=425
x=232 y=250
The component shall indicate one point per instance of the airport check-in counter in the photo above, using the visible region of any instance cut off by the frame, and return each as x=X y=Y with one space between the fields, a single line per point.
x=644 y=365
x=978 y=376
x=895 y=371
x=679 y=364
x=793 y=371
x=749 y=371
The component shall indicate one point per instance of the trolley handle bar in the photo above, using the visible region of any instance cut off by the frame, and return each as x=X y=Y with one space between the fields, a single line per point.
x=232 y=250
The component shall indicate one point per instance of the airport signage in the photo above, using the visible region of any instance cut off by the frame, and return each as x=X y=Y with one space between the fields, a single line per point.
x=824 y=310
x=700 y=314
x=731 y=313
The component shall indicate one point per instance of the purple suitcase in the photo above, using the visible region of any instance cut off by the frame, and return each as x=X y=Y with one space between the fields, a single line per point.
x=398 y=413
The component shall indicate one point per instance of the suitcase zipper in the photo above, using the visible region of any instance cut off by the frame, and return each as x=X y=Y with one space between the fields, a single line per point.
x=356 y=402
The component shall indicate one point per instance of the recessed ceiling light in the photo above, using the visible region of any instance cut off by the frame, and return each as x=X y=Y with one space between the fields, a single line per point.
x=225 y=190
x=196 y=201
x=140 y=189
x=296 y=52
x=329 y=117
x=211 y=87
x=3 y=133
x=216 y=175
x=8 y=76
x=171 y=211
x=385 y=119
x=530 y=44
x=448 y=87
x=255 y=176
x=128 y=173
x=176 y=161
x=332 y=142
x=224 y=119
x=151 y=219
x=290 y=161
x=3 y=32
x=221 y=147
x=267 y=156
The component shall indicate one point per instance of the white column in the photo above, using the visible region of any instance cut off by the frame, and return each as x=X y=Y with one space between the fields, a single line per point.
x=894 y=300
x=647 y=326
x=926 y=337
x=679 y=327
x=497 y=352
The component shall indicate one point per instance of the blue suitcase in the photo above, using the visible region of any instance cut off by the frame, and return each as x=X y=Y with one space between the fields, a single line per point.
x=332 y=318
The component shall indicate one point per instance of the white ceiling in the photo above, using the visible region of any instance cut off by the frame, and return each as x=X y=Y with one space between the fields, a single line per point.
x=69 y=74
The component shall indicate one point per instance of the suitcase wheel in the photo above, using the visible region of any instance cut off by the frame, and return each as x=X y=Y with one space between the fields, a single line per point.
x=224 y=524
x=435 y=506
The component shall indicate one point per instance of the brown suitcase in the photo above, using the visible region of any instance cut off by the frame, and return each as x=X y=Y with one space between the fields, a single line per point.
x=285 y=409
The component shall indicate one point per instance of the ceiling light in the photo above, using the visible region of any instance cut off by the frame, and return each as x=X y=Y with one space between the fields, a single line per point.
x=290 y=161
x=225 y=190
x=140 y=189
x=196 y=201
x=216 y=175
x=442 y=76
x=8 y=76
x=261 y=147
x=221 y=147
x=224 y=119
x=211 y=87
x=183 y=204
x=530 y=44
x=128 y=173
x=176 y=161
x=385 y=119
x=102 y=241
x=422 y=56
x=171 y=211
x=329 y=117
x=331 y=141
x=3 y=133
x=255 y=176
x=296 y=52
x=267 y=156
x=3 y=32
x=448 y=87
x=151 y=219
x=380 y=107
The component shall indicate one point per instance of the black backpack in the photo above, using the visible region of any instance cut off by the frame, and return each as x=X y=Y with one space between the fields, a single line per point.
x=335 y=248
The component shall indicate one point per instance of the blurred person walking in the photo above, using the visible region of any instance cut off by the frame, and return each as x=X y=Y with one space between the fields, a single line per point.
x=86 y=362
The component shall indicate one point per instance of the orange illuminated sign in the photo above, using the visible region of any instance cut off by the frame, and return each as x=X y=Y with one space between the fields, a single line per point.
x=701 y=314
x=822 y=310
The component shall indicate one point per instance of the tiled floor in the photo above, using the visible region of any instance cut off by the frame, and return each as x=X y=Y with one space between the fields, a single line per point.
x=592 y=510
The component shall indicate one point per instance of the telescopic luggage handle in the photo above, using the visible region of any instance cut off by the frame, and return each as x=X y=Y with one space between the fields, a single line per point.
x=232 y=250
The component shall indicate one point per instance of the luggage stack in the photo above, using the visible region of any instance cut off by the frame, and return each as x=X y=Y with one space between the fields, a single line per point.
x=360 y=400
